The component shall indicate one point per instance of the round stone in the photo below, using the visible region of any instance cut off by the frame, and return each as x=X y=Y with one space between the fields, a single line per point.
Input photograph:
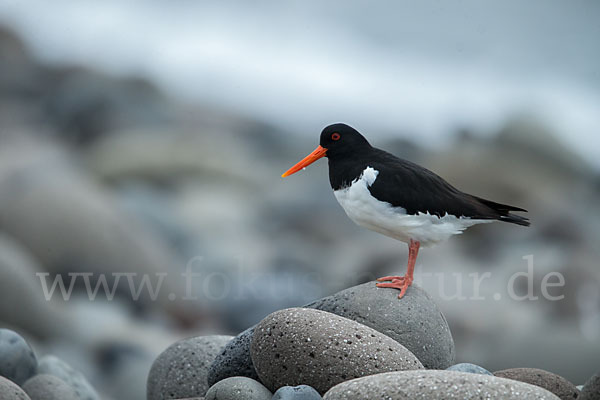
x=591 y=389
x=97 y=236
x=35 y=314
x=414 y=321
x=304 y=346
x=234 y=360
x=49 y=387
x=11 y=391
x=301 y=392
x=238 y=388
x=435 y=385
x=17 y=360
x=181 y=370
x=470 y=368
x=52 y=365
x=547 y=380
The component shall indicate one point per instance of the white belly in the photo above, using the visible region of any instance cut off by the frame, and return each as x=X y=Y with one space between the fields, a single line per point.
x=366 y=211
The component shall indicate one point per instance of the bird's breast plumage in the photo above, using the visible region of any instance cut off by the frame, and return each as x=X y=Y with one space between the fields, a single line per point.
x=368 y=211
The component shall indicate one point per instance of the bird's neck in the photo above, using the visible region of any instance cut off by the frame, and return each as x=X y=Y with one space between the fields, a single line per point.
x=344 y=170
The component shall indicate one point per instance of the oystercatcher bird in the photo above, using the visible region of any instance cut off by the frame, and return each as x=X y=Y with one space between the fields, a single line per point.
x=398 y=198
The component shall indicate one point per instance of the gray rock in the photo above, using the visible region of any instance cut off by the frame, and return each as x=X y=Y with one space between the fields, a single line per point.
x=20 y=285
x=303 y=346
x=181 y=370
x=52 y=365
x=40 y=189
x=234 y=360
x=49 y=387
x=238 y=388
x=415 y=321
x=17 y=360
x=85 y=105
x=547 y=380
x=17 y=67
x=10 y=391
x=468 y=367
x=428 y=338
x=591 y=389
x=433 y=384
x=301 y=392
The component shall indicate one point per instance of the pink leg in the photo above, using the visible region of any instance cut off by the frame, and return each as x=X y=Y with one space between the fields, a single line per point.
x=403 y=282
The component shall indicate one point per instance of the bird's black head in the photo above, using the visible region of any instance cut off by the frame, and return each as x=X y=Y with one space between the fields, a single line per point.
x=342 y=140
x=337 y=141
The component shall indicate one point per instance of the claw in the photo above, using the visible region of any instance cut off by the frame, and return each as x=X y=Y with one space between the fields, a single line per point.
x=403 y=291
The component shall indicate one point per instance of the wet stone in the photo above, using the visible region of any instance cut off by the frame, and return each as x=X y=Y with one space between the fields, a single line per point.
x=300 y=392
x=17 y=360
x=238 y=388
x=468 y=367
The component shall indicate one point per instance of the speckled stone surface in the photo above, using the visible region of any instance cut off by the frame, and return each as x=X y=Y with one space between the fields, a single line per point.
x=300 y=392
x=234 y=360
x=591 y=389
x=435 y=385
x=17 y=360
x=52 y=365
x=49 y=387
x=181 y=370
x=304 y=346
x=238 y=388
x=554 y=383
x=414 y=321
x=11 y=391
x=470 y=368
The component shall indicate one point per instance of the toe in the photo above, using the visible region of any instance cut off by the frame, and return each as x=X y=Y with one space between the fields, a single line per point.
x=390 y=278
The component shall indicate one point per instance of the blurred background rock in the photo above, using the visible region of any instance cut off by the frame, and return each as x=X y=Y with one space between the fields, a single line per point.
x=137 y=137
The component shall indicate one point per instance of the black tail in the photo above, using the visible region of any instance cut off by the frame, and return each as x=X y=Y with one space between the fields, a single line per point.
x=504 y=210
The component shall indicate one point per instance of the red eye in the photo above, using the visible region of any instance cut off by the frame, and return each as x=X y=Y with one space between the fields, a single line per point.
x=335 y=136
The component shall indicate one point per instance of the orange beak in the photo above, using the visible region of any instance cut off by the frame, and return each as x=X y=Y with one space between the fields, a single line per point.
x=319 y=152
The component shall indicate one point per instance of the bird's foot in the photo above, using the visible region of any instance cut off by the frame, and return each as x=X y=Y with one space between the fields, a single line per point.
x=390 y=278
x=397 y=282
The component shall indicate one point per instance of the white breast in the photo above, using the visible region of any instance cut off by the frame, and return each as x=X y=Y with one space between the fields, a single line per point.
x=379 y=216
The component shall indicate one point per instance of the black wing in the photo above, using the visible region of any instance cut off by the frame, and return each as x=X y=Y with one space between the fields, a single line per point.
x=416 y=189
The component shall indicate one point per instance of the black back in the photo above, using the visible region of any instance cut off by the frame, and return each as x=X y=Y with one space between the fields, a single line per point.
x=403 y=183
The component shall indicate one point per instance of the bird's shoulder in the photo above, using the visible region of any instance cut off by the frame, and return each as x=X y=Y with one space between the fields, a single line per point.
x=396 y=171
x=405 y=184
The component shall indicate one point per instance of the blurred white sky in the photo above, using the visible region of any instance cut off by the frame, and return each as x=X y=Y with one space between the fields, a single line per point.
x=389 y=66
